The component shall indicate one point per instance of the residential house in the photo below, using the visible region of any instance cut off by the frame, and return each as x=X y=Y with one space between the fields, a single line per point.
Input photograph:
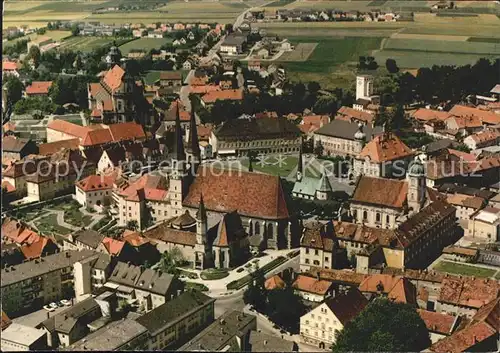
x=482 y=139
x=16 y=174
x=266 y=135
x=318 y=246
x=312 y=289
x=230 y=332
x=485 y=224
x=233 y=44
x=351 y=114
x=38 y=89
x=345 y=138
x=485 y=117
x=439 y=325
x=94 y=191
x=83 y=239
x=15 y=148
x=320 y=326
x=384 y=156
x=395 y=288
x=143 y=287
x=9 y=68
x=226 y=95
x=465 y=205
x=263 y=342
x=30 y=285
x=311 y=123
x=18 y=337
x=178 y=320
x=170 y=79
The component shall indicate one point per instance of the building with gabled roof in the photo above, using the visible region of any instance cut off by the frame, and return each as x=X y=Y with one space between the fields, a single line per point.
x=38 y=89
x=320 y=326
x=439 y=325
x=313 y=289
x=318 y=246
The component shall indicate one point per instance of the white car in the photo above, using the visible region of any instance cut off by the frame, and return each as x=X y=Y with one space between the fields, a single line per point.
x=65 y=302
x=48 y=308
x=53 y=305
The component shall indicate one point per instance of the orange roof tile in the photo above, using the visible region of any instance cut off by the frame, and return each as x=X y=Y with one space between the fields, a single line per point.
x=204 y=89
x=437 y=322
x=9 y=66
x=347 y=113
x=486 y=116
x=379 y=283
x=230 y=94
x=347 y=306
x=8 y=186
x=474 y=202
x=35 y=249
x=113 y=246
x=485 y=136
x=274 y=282
x=39 y=87
x=343 y=276
x=133 y=238
x=468 y=291
x=403 y=292
x=385 y=147
x=68 y=128
x=465 y=339
x=52 y=147
x=368 y=191
x=311 y=285
x=164 y=233
x=252 y=194
x=97 y=137
x=113 y=78
x=126 y=131
x=423 y=114
x=463 y=122
x=462 y=155
x=95 y=183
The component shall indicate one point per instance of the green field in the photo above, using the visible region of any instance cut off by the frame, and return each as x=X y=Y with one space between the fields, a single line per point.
x=55 y=35
x=145 y=44
x=415 y=59
x=442 y=46
x=462 y=269
x=87 y=44
x=152 y=76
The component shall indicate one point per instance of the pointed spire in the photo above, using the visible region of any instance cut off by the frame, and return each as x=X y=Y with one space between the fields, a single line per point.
x=300 y=166
x=202 y=212
x=194 y=144
x=179 y=144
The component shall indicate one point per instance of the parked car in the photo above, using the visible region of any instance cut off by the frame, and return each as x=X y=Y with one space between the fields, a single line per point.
x=65 y=302
x=48 y=308
x=53 y=305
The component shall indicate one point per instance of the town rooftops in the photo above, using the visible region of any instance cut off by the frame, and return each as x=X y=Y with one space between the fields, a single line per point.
x=113 y=78
x=52 y=147
x=228 y=94
x=363 y=234
x=110 y=337
x=171 y=75
x=38 y=267
x=319 y=236
x=337 y=276
x=14 y=144
x=346 y=130
x=347 y=306
x=311 y=285
x=252 y=194
x=88 y=237
x=249 y=128
x=21 y=334
x=39 y=87
x=438 y=322
x=368 y=192
x=489 y=215
x=468 y=291
x=347 y=113
x=385 y=147
x=482 y=116
x=144 y=279
x=262 y=342
x=95 y=183
x=66 y=320
x=466 y=201
x=221 y=333
x=234 y=40
x=485 y=136
x=274 y=282
x=173 y=311
x=9 y=65
x=398 y=289
x=165 y=233
x=423 y=114
x=68 y=128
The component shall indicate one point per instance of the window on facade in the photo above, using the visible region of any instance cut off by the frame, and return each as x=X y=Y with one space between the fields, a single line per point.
x=307 y=261
x=307 y=250
x=377 y=217
x=316 y=262
x=316 y=252
x=365 y=215
x=387 y=219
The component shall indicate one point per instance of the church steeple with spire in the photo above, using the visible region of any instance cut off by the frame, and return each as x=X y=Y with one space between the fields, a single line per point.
x=176 y=187
x=193 y=142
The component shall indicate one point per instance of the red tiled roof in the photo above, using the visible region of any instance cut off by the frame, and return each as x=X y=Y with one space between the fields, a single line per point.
x=465 y=339
x=403 y=292
x=8 y=186
x=465 y=121
x=347 y=306
x=468 y=291
x=97 y=137
x=274 y=282
x=319 y=236
x=169 y=235
x=16 y=232
x=486 y=116
x=423 y=114
x=35 y=249
x=385 y=147
x=133 y=238
x=485 y=136
x=113 y=246
x=343 y=276
x=462 y=155
x=311 y=285
x=204 y=89
x=379 y=283
x=126 y=131
x=95 y=183
x=113 y=78
x=149 y=186
x=68 y=128
x=9 y=66
x=39 y=87
x=347 y=113
x=437 y=322
x=251 y=194
x=368 y=191
x=230 y=94
x=52 y=147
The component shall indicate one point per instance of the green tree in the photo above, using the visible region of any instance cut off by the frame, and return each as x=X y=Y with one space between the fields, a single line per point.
x=391 y=66
x=35 y=55
x=132 y=225
x=384 y=326
x=256 y=293
x=381 y=116
x=167 y=264
x=319 y=149
x=14 y=88
x=284 y=308
x=399 y=119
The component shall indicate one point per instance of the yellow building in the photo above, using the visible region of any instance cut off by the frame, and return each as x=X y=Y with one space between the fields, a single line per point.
x=319 y=326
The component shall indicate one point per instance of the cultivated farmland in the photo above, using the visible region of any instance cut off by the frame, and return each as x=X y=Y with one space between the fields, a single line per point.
x=301 y=52
x=87 y=44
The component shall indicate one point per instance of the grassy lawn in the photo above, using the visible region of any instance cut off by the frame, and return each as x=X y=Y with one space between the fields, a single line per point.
x=76 y=218
x=87 y=44
x=498 y=276
x=273 y=166
x=101 y=223
x=463 y=269
x=213 y=274
x=279 y=3
x=49 y=224
x=198 y=286
x=145 y=44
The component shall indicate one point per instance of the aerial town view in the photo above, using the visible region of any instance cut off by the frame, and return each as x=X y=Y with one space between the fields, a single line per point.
x=250 y=175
